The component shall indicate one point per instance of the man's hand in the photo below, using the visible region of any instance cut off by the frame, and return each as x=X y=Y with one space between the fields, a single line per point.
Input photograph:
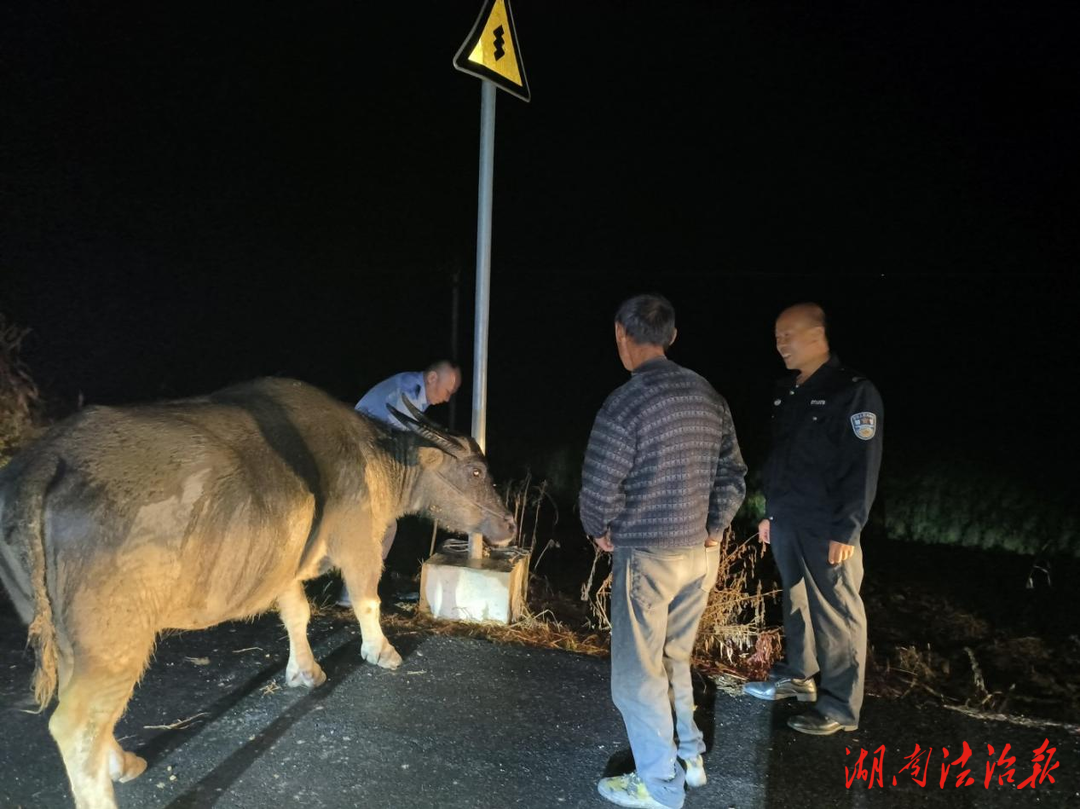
x=839 y=552
x=604 y=543
x=763 y=531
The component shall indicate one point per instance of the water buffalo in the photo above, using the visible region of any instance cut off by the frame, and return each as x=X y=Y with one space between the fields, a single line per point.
x=124 y=521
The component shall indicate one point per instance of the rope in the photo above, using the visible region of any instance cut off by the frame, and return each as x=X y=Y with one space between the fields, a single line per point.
x=461 y=545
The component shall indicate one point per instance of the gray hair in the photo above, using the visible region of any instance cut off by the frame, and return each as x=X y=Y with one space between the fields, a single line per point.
x=648 y=319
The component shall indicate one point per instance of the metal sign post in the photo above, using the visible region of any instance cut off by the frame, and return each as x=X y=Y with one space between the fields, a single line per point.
x=483 y=280
x=490 y=52
x=473 y=588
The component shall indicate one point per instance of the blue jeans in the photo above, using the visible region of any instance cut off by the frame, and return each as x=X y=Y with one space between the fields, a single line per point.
x=657 y=598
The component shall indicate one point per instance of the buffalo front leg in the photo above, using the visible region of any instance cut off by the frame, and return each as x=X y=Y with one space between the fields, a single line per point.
x=364 y=590
x=124 y=766
x=295 y=613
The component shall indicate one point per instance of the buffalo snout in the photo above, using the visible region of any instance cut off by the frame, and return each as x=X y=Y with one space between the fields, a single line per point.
x=499 y=533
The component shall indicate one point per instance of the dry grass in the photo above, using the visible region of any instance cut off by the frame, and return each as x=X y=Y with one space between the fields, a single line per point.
x=733 y=634
x=733 y=638
x=913 y=670
x=526 y=501
x=178 y=724
x=539 y=630
x=20 y=400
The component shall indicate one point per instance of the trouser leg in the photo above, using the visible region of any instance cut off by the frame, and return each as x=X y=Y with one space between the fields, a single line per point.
x=799 y=658
x=639 y=680
x=839 y=623
x=684 y=618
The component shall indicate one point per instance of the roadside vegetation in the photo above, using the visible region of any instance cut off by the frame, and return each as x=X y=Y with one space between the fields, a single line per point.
x=20 y=402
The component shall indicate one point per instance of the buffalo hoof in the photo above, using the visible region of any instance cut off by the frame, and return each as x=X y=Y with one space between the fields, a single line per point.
x=310 y=678
x=125 y=766
x=382 y=654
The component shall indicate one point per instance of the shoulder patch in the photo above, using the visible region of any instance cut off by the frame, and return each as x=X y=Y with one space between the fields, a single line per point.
x=864 y=425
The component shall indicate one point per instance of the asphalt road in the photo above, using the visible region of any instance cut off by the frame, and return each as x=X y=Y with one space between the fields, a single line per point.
x=465 y=723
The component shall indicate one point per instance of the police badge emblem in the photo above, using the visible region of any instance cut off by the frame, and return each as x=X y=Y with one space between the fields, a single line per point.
x=865 y=425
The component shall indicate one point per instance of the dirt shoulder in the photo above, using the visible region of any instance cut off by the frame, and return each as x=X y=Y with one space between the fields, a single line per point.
x=990 y=631
x=986 y=632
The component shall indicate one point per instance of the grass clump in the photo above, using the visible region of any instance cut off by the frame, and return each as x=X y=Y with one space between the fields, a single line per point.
x=20 y=401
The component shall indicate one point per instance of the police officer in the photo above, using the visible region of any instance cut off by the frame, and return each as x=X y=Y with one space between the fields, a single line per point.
x=820 y=480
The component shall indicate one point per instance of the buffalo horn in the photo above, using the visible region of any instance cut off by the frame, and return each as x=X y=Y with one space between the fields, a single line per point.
x=463 y=441
x=424 y=429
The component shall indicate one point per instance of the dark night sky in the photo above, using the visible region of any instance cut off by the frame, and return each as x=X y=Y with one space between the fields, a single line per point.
x=194 y=194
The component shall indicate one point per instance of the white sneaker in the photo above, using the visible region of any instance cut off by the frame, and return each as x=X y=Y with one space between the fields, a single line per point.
x=628 y=790
x=695 y=772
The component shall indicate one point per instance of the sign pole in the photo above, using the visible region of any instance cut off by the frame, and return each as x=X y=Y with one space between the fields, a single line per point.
x=483 y=280
x=472 y=588
x=492 y=54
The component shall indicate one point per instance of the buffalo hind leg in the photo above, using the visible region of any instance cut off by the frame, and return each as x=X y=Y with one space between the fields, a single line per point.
x=92 y=700
x=295 y=613
x=364 y=590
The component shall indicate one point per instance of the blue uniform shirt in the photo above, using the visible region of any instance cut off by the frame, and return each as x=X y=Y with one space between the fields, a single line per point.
x=390 y=392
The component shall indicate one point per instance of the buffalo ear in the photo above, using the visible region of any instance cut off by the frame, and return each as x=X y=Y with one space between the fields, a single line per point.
x=430 y=457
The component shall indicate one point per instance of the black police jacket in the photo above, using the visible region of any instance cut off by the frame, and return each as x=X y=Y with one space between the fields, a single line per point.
x=823 y=466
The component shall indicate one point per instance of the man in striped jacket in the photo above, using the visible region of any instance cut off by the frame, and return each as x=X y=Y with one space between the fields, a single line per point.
x=663 y=477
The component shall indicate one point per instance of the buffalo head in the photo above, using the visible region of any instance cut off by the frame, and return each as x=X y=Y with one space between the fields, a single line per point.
x=454 y=485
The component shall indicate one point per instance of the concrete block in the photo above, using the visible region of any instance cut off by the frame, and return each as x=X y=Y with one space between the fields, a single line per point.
x=457 y=588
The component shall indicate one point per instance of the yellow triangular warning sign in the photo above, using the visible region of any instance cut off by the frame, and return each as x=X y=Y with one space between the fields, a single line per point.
x=491 y=51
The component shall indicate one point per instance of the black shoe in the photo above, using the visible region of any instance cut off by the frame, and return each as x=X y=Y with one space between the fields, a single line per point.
x=817 y=724
x=783 y=688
